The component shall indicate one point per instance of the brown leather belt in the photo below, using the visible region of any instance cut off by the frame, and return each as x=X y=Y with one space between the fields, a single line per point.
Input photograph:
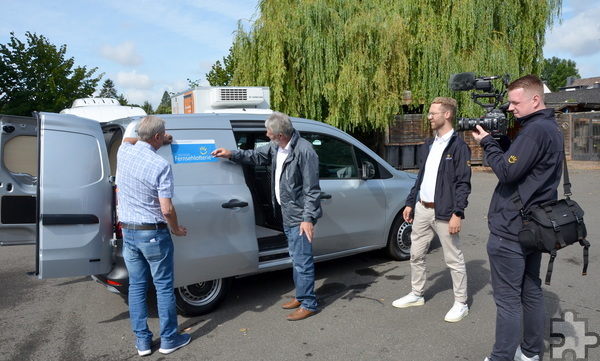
x=427 y=204
x=143 y=227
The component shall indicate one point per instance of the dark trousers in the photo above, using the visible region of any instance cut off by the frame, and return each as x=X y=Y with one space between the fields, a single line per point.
x=519 y=299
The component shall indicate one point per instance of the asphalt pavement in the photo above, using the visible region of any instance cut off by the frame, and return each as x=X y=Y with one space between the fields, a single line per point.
x=78 y=319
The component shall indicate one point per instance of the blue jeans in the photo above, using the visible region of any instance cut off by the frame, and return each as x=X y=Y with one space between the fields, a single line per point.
x=519 y=299
x=300 y=250
x=145 y=253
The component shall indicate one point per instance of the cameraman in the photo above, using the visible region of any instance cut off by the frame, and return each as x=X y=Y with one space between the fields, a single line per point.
x=532 y=165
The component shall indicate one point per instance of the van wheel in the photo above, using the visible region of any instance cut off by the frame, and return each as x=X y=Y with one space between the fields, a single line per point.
x=399 y=242
x=201 y=298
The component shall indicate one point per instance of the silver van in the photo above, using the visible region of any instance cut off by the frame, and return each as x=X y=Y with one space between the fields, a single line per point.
x=57 y=191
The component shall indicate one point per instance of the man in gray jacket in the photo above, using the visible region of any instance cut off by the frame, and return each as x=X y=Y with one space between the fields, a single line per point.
x=295 y=187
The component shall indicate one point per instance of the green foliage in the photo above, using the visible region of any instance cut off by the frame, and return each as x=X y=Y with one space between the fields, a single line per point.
x=108 y=90
x=349 y=62
x=122 y=100
x=147 y=107
x=165 y=101
x=193 y=83
x=555 y=72
x=165 y=104
x=35 y=76
x=221 y=75
x=218 y=76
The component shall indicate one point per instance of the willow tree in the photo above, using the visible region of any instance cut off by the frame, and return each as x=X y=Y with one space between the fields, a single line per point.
x=349 y=62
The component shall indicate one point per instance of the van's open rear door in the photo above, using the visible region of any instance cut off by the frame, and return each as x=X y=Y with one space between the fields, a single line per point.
x=75 y=214
x=18 y=180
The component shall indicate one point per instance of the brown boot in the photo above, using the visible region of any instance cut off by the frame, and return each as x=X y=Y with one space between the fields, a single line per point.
x=299 y=314
x=291 y=305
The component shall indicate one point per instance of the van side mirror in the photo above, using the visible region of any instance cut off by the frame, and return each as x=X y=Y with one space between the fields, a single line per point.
x=367 y=171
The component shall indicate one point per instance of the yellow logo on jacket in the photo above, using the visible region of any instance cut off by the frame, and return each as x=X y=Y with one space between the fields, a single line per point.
x=512 y=159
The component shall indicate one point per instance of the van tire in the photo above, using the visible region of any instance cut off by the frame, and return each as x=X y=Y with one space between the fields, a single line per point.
x=398 y=247
x=201 y=298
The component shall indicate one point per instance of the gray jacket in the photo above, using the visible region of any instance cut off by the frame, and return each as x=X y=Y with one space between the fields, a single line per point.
x=299 y=183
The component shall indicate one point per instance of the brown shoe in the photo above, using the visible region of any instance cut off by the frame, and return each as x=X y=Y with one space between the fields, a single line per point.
x=291 y=305
x=300 y=314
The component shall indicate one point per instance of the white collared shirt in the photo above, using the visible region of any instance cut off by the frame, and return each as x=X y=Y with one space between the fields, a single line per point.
x=282 y=154
x=432 y=165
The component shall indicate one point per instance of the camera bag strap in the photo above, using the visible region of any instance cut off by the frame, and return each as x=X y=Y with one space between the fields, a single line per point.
x=567 y=194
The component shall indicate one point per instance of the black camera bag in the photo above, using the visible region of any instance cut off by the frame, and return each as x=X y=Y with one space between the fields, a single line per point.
x=552 y=225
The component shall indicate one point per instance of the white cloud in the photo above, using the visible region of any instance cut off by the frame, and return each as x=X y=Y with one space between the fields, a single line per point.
x=124 y=53
x=175 y=87
x=137 y=96
x=578 y=35
x=133 y=80
x=138 y=88
x=198 y=23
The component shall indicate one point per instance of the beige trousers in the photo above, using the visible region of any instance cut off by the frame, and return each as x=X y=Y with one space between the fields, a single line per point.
x=424 y=227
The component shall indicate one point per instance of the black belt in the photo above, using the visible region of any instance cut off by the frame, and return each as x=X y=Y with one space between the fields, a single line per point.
x=427 y=204
x=143 y=227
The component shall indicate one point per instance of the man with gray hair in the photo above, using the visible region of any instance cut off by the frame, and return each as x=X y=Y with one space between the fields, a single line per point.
x=145 y=188
x=295 y=186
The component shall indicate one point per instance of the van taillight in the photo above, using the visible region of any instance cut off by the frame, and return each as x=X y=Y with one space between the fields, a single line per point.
x=118 y=231
x=113 y=283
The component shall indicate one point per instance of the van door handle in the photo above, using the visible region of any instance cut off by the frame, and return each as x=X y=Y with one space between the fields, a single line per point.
x=235 y=203
x=68 y=219
x=325 y=196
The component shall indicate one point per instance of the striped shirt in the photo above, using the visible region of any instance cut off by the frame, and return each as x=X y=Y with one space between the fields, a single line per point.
x=142 y=177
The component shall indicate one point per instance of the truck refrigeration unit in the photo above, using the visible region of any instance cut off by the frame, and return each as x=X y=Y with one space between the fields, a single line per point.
x=207 y=99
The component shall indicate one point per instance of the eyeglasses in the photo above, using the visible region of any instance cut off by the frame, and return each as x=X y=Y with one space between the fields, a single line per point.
x=432 y=114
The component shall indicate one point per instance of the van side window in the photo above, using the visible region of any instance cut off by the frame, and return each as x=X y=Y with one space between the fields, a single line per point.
x=341 y=160
x=336 y=157
x=250 y=140
x=380 y=171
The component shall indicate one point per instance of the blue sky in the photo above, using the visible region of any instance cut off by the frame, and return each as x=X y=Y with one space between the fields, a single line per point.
x=577 y=37
x=149 y=46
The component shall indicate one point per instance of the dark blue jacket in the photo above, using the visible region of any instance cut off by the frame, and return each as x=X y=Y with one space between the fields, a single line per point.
x=532 y=165
x=299 y=184
x=453 y=184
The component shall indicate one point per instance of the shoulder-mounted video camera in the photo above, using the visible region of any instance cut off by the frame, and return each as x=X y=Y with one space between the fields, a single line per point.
x=494 y=121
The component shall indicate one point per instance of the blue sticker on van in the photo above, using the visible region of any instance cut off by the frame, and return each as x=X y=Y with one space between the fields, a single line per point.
x=193 y=151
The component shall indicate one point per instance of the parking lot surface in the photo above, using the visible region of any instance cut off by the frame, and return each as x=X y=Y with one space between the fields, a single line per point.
x=77 y=319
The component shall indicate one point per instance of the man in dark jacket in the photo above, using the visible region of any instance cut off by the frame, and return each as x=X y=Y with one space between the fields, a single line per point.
x=295 y=186
x=532 y=166
x=438 y=201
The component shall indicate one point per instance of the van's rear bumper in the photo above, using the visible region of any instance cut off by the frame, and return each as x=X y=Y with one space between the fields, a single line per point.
x=117 y=280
